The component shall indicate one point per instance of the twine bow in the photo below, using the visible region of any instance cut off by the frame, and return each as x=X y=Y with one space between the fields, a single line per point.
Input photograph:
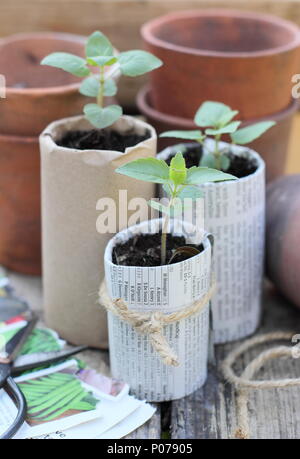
x=152 y=323
x=244 y=382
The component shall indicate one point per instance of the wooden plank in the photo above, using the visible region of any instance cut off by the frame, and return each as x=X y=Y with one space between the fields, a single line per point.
x=30 y=288
x=120 y=19
x=293 y=162
x=274 y=414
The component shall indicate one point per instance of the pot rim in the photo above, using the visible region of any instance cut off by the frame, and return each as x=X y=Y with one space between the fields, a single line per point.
x=147 y=32
x=111 y=243
x=50 y=90
x=143 y=103
x=165 y=153
x=47 y=135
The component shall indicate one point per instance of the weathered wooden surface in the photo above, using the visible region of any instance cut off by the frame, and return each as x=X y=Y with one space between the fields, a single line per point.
x=120 y=19
x=275 y=413
x=211 y=411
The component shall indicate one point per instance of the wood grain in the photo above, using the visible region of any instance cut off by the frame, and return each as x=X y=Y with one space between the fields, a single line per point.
x=274 y=414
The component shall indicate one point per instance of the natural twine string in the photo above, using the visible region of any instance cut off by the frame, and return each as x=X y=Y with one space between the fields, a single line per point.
x=244 y=382
x=152 y=324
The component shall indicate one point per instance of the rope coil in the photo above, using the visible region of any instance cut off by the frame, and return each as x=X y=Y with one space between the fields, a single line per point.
x=244 y=382
x=152 y=323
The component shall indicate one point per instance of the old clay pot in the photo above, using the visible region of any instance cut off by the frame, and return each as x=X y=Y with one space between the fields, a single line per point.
x=244 y=59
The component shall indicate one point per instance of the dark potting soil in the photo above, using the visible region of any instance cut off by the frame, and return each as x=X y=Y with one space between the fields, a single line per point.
x=240 y=166
x=144 y=250
x=101 y=139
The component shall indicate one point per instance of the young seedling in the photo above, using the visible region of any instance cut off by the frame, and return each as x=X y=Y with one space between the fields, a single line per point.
x=100 y=55
x=178 y=182
x=217 y=118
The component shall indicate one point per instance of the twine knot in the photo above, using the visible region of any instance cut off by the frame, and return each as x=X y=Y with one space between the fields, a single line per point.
x=152 y=324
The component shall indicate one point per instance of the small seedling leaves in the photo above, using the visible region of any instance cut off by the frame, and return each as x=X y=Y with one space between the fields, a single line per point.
x=191 y=192
x=167 y=189
x=225 y=162
x=228 y=129
x=199 y=175
x=137 y=62
x=90 y=87
x=101 y=61
x=102 y=117
x=188 y=135
x=250 y=133
x=110 y=88
x=147 y=169
x=227 y=117
x=211 y=113
x=98 y=45
x=177 y=170
x=208 y=160
x=68 y=62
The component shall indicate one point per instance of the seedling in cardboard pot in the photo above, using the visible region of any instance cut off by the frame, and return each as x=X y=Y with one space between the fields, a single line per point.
x=178 y=182
x=218 y=119
x=99 y=53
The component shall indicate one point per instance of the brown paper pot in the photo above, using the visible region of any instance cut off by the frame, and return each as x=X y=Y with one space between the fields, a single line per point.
x=244 y=59
x=20 y=228
x=72 y=183
x=272 y=146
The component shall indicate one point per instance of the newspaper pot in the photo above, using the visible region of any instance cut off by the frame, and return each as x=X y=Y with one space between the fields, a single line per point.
x=166 y=289
x=244 y=59
x=20 y=232
x=282 y=236
x=72 y=183
x=272 y=146
x=235 y=215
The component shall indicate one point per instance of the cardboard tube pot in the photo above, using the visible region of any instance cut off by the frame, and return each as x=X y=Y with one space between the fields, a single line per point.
x=72 y=183
x=166 y=289
x=235 y=215
x=241 y=58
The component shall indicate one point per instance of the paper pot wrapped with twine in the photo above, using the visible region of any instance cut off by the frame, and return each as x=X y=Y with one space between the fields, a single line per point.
x=158 y=317
x=72 y=183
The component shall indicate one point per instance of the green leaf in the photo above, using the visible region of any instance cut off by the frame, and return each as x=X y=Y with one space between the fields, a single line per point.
x=199 y=175
x=90 y=87
x=211 y=113
x=227 y=117
x=191 y=192
x=98 y=45
x=147 y=169
x=102 y=117
x=208 y=160
x=177 y=170
x=250 y=133
x=68 y=62
x=110 y=88
x=228 y=129
x=188 y=135
x=225 y=162
x=137 y=62
x=101 y=60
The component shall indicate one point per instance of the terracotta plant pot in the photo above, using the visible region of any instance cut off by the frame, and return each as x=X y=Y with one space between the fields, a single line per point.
x=272 y=146
x=35 y=96
x=244 y=59
x=20 y=228
x=282 y=236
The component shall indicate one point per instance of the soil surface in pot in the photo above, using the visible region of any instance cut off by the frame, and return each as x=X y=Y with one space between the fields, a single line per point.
x=101 y=139
x=144 y=250
x=240 y=166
